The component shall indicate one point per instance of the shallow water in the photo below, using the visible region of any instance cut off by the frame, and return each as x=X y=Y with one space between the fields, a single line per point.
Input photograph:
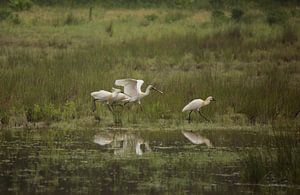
x=127 y=162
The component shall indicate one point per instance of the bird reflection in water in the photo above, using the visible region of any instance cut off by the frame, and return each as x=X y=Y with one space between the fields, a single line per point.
x=196 y=138
x=123 y=143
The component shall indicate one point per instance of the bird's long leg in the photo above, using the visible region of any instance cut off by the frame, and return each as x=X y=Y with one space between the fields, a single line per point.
x=204 y=116
x=110 y=108
x=190 y=116
x=141 y=107
x=94 y=105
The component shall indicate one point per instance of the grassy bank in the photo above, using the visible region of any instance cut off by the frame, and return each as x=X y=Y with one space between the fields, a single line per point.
x=51 y=58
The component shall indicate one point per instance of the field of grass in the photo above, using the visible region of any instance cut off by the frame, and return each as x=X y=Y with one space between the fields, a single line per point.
x=52 y=57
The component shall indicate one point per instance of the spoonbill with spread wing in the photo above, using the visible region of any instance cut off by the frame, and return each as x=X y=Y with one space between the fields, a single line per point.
x=132 y=88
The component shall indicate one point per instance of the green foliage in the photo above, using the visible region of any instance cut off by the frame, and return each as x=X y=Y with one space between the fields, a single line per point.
x=289 y=34
x=4 y=117
x=151 y=17
x=254 y=166
x=38 y=113
x=218 y=16
x=109 y=29
x=20 y=5
x=245 y=66
x=71 y=19
x=5 y=13
x=69 y=112
x=274 y=165
x=15 y=19
x=174 y=16
x=236 y=14
x=276 y=16
x=216 y=4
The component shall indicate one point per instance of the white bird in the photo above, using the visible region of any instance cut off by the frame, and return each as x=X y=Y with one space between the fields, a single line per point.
x=196 y=104
x=196 y=138
x=108 y=97
x=132 y=88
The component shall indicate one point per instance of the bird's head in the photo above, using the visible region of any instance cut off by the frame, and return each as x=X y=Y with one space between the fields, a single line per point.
x=210 y=98
x=153 y=88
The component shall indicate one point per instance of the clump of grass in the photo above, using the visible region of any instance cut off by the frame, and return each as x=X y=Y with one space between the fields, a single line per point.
x=71 y=19
x=5 y=13
x=4 y=117
x=69 y=112
x=280 y=165
x=38 y=113
x=15 y=19
x=289 y=34
x=276 y=16
x=151 y=17
x=20 y=5
x=237 y=14
x=174 y=16
x=254 y=166
x=109 y=29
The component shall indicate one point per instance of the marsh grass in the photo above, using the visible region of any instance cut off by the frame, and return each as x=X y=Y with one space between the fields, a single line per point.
x=246 y=69
x=277 y=161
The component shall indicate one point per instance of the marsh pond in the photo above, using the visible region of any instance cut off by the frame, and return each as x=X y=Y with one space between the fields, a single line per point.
x=129 y=161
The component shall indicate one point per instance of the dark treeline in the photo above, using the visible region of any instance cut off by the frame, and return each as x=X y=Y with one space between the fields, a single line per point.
x=157 y=3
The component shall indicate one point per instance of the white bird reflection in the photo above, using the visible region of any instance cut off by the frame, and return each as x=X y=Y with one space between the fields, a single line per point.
x=122 y=143
x=196 y=138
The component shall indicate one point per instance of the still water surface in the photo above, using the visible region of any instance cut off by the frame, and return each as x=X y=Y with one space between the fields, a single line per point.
x=127 y=162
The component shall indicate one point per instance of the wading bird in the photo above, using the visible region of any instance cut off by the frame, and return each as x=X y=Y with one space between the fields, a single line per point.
x=109 y=97
x=196 y=104
x=196 y=138
x=132 y=88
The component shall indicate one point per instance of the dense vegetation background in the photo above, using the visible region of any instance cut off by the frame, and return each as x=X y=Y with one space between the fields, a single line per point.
x=244 y=53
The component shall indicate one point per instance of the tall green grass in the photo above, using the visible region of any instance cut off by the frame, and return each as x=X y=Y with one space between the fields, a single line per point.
x=250 y=68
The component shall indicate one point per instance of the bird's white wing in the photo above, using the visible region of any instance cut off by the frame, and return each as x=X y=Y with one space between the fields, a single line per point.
x=130 y=86
x=139 y=85
x=101 y=95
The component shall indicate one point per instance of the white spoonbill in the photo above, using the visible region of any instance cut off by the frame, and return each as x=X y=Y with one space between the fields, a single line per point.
x=108 y=97
x=132 y=87
x=196 y=138
x=196 y=104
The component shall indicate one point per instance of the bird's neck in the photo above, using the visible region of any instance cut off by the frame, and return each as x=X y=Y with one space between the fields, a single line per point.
x=147 y=92
x=206 y=102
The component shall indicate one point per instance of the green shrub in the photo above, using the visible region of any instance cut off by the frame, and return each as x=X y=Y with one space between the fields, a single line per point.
x=4 y=13
x=174 y=16
x=216 y=4
x=15 y=19
x=218 y=16
x=51 y=113
x=289 y=34
x=276 y=17
x=69 y=110
x=71 y=19
x=109 y=29
x=237 y=14
x=20 y=5
x=254 y=164
x=151 y=17
x=4 y=117
x=37 y=114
